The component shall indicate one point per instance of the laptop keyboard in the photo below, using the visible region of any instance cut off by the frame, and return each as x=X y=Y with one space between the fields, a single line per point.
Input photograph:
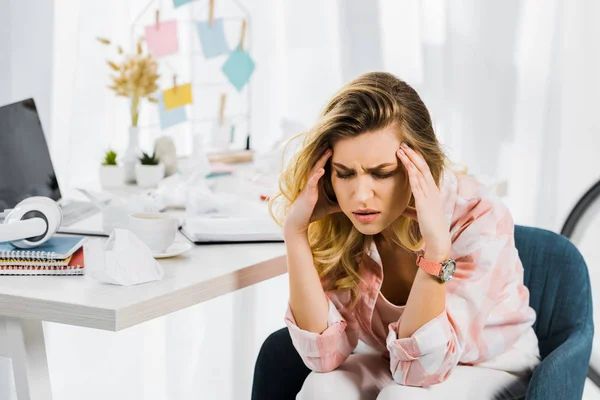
x=76 y=211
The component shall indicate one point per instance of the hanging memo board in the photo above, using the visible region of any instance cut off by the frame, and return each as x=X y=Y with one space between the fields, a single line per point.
x=203 y=49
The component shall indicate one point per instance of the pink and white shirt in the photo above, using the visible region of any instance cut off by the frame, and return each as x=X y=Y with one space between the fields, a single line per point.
x=487 y=320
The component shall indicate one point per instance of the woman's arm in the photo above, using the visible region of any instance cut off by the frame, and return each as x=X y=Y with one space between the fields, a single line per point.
x=308 y=302
x=322 y=335
x=427 y=300
x=487 y=287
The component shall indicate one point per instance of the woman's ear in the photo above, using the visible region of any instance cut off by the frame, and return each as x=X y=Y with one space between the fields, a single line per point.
x=410 y=212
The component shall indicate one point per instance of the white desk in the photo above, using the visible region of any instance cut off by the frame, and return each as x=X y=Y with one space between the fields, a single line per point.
x=201 y=274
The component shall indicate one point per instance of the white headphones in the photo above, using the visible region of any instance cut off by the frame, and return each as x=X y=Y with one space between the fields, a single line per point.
x=32 y=222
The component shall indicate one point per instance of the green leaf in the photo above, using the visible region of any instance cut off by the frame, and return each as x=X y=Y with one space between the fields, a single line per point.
x=147 y=159
x=110 y=158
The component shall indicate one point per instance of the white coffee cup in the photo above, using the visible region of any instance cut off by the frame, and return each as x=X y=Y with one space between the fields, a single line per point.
x=157 y=230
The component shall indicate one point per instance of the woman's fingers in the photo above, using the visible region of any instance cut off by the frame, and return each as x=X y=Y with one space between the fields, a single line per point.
x=414 y=176
x=322 y=161
x=314 y=179
x=419 y=162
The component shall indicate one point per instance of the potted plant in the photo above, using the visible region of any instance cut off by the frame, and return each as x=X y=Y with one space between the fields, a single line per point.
x=111 y=174
x=134 y=77
x=149 y=171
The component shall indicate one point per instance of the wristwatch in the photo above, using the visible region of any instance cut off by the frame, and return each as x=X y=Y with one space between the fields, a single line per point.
x=443 y=271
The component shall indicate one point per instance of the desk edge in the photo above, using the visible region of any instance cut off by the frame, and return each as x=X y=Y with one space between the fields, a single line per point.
x=157 y=307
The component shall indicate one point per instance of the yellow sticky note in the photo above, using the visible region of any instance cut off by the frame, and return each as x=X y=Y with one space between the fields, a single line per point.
x=178 y=96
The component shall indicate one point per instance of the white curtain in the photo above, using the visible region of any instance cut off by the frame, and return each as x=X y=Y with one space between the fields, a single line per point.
x=26 y=56
x=511 y=87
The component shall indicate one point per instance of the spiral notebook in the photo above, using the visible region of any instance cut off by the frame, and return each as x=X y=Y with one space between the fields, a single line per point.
x=57 y=248
x=74 y=266
x=61 y=255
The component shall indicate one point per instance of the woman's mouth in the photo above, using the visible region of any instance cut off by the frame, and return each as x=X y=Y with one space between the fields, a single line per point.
x=365 y=216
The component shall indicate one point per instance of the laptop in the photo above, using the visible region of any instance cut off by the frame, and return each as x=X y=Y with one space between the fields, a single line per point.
x=26 y=170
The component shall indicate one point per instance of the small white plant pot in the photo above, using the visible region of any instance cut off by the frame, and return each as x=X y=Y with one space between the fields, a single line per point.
x=111 y=176
x=149 y=175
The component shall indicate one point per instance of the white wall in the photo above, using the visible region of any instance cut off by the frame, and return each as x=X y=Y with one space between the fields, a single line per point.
x=5 y=55
x=26 y=53
x=360 y=39
x=575 y=150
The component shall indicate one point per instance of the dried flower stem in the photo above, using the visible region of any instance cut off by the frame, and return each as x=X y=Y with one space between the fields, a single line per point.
x=134 y=77
x=135 y=110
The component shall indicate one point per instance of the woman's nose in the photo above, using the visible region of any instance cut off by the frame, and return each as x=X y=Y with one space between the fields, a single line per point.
x=364 y=189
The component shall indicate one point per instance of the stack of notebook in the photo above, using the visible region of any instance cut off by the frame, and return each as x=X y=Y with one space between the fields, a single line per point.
x=61 y=255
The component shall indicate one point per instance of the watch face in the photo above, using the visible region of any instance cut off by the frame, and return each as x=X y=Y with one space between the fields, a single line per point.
x=448 y=270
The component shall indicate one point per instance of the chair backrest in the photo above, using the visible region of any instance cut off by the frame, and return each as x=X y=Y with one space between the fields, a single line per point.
x=559 y=286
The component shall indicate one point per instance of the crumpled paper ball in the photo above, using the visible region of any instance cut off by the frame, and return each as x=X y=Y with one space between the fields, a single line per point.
x=123 y=259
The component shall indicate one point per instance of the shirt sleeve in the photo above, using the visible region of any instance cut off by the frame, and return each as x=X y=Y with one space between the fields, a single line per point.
x=487 y=305
x=326 y=351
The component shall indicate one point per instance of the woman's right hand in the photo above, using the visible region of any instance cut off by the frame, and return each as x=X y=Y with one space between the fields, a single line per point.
x=312 y=204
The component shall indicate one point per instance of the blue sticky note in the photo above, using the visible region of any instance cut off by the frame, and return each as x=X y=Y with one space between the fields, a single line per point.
x=238 y=68
x=168 y=118
x=179 y=3
x=212 y=39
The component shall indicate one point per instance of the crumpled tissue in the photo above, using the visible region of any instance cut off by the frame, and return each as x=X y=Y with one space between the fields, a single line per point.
x=123 y=259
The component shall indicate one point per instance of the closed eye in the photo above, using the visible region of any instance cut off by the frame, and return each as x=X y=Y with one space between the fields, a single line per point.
x=375 y=175
x=383 y=176
x=344 y=176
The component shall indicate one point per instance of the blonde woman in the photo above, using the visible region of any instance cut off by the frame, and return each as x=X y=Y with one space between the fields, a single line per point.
x=386 y=246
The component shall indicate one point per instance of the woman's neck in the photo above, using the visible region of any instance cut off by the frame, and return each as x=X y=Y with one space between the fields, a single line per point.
x=387 y=244
x=384 y=240
x=399 y=269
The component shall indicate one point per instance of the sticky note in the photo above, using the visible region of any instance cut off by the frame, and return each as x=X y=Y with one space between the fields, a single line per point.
x=170 y=118
x=238 y=68
x=213 y=39
x=179 y=3
x=178 y=96
x=162 y=40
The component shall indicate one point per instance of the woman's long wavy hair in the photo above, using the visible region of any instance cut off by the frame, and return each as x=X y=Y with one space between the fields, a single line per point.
x=370 y=102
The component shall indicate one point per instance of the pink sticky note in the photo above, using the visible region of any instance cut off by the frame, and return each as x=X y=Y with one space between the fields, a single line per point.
x=162 y=40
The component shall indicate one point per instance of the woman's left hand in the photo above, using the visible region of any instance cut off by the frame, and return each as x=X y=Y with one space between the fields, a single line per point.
x=428 y=204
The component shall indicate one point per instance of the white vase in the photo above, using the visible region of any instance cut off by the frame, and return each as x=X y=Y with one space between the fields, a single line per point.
x=133 y=151
x=111 y=176
x=149 y=175
x=164 y=148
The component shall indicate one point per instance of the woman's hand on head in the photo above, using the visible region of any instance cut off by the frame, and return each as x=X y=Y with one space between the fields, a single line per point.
x=428 y=205
x=312 y=204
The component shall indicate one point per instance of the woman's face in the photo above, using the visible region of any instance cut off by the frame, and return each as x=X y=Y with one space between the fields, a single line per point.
x=370 y=182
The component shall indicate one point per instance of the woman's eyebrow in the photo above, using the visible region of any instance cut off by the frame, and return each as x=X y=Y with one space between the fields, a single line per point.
x=376 y=168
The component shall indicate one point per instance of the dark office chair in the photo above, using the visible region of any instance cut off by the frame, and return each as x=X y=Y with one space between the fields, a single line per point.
x=560 y=293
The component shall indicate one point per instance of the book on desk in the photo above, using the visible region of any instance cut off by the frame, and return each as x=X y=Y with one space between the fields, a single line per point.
x=231 y=229
x=61 y=255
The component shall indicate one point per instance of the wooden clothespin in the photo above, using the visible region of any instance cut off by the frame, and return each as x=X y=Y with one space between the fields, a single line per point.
x=211 y=12
x=174 y=83
x=243 y=35
x=157 y=20
x=222 y=109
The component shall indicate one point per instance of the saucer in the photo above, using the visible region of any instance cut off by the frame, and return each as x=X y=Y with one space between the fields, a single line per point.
x=173 y=250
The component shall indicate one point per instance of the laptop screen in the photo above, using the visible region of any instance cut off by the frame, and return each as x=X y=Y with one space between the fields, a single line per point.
x=25 y=166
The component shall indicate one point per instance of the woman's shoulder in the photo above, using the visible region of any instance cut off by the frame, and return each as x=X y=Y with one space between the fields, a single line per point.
x=466 y=195
x=469 y=203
